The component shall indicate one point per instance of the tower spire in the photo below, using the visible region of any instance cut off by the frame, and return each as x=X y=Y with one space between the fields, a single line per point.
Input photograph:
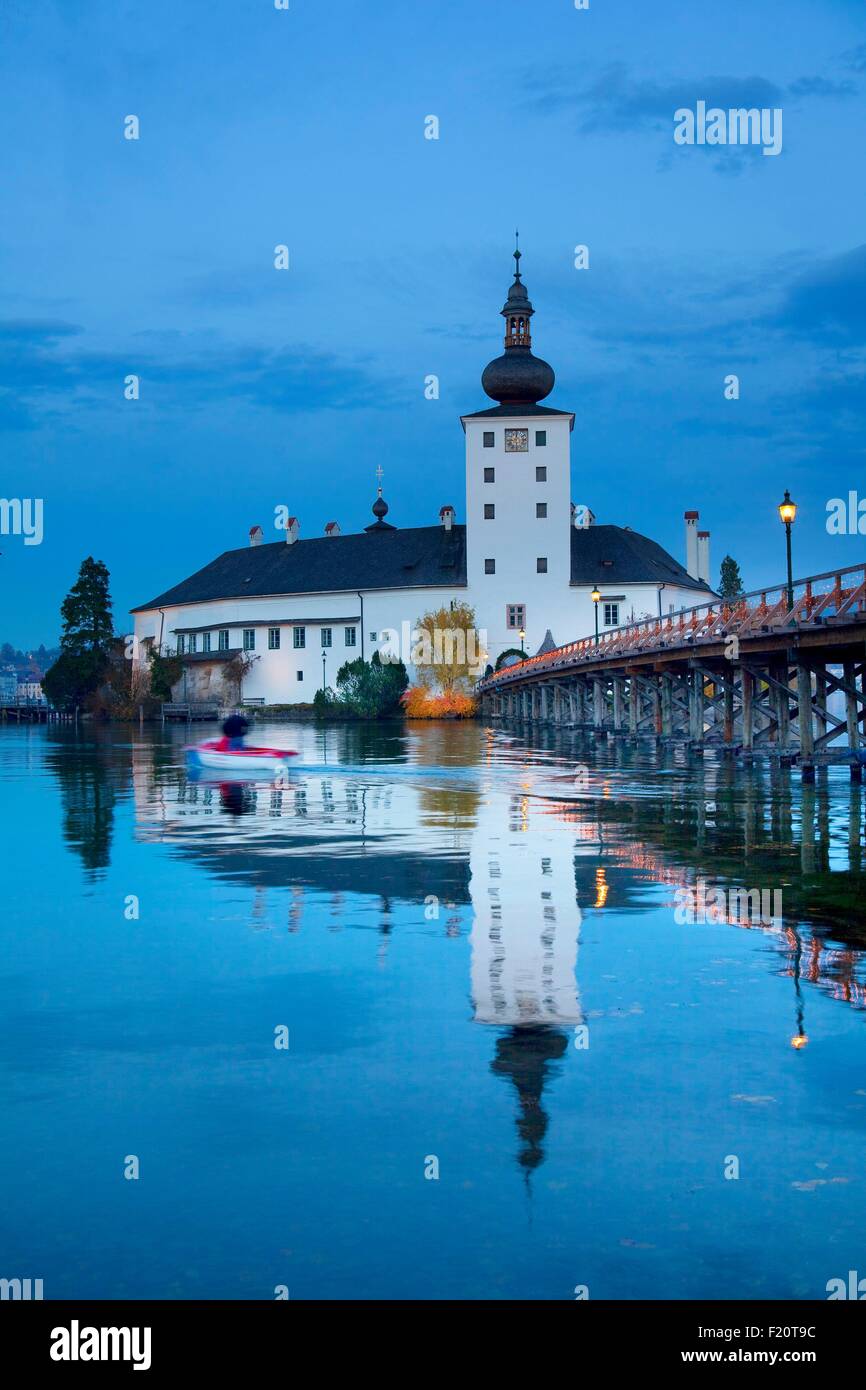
x=517 y=376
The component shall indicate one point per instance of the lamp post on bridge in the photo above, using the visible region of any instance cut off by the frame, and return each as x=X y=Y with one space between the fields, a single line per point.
x=324 y=659
x=522 y=636
x=787 y=514
x=596 y=600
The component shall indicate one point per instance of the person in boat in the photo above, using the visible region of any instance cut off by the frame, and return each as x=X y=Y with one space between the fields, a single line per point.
x=234 y=729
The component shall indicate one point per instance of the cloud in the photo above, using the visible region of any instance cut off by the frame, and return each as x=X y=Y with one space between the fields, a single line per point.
x=828 y=303
x=47 y=371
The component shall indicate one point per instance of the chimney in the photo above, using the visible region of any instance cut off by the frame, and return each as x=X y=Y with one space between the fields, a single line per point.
x=332 y=528
x=256 y=535
x=446 y=516
x=704 y=556
x=691 y=520
x=292 y=529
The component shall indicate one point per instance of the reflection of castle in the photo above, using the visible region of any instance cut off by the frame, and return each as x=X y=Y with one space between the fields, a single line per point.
x=524 y=951
x=527 y=921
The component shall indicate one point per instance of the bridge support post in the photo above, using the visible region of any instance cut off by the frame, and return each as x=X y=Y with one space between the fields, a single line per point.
x=633 y=705
x=616 y=684
x=597 y=703
x=666 y=711
x=696 y=707
x=728 y=731
x=852 y=719
x=748 y=709
x=804 y=716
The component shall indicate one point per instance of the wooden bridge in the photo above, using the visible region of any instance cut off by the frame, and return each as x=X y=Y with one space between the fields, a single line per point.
x=752 y=676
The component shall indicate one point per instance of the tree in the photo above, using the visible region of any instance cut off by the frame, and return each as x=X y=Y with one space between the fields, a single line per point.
x=447 y=651
x=88 y=636
x=86 y=611
x=366 y=689
x=730 y=580
x=166 y=670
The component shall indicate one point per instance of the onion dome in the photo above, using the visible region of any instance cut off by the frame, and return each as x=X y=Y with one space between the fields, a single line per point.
x=380 y=511
x=517 y=377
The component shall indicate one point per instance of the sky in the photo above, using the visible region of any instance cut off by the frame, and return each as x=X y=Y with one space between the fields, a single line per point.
x=305 y=127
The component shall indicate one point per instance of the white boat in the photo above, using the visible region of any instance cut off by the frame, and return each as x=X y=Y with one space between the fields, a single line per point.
x=214 y=755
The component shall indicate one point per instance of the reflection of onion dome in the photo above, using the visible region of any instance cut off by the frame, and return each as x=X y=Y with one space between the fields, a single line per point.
x=517 y=377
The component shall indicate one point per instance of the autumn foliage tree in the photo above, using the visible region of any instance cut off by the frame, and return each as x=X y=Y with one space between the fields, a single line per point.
x=446 y=652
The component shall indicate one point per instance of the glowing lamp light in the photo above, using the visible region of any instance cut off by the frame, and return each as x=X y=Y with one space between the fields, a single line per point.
x=787 y=509
x=799 y=1041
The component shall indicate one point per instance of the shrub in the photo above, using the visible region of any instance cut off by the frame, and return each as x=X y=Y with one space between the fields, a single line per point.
x=420 y=703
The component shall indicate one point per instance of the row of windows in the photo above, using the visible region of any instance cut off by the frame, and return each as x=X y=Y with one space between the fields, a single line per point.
x=540 y=474
x=202 y=641
x=516 y=440
x=515 y=615
x=540 y=565
x=490 y=510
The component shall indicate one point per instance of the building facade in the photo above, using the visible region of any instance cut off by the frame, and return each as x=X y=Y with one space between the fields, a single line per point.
x=527 y=559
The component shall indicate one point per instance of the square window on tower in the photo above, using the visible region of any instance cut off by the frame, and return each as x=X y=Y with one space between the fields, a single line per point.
x=540 y=438
x=489 y=439
x=541 y=509
x=489 y=511
x=490 y=475
x=541 y=565
x=541 y=473
x=489 y=566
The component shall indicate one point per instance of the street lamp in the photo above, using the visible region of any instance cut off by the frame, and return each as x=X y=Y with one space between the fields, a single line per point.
x=596 y=599
x=324 y=658
x=788 y=513
x=522 y=636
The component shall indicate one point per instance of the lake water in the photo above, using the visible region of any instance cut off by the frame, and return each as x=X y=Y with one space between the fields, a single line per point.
x=473 y=940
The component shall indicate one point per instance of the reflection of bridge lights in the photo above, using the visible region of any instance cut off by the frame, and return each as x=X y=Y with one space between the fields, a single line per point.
x=602 y=887
x=799 y=1040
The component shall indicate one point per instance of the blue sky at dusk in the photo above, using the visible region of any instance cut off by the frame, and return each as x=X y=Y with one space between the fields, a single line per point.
x=306 y=127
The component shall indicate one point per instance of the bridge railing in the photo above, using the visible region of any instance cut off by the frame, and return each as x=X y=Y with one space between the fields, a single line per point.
x=837 y=596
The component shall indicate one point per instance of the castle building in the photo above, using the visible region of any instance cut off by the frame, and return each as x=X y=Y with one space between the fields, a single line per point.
x=526 y=559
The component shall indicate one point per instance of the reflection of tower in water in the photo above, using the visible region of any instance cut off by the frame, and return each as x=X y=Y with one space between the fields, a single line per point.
x=524 y=951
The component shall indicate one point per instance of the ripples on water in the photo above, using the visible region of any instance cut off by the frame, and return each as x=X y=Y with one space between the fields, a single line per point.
x=443 y=917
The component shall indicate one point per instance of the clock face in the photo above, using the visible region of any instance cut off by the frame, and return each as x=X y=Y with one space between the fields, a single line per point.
x=516 y=441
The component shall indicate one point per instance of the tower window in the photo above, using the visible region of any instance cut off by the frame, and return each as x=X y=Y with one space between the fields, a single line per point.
x=515 y=615
x=300 y=675
x=489 y=566
x=490 y=475
x=540 y=438
x=541 y=509
x=489 y=511
x=273 y=639
x=541 y=565
x=541 y=474
x=488 y=439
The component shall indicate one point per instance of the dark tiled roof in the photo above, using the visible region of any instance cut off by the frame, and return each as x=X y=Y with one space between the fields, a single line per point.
x=633 y=559
x=512 y=408
x=413 y=558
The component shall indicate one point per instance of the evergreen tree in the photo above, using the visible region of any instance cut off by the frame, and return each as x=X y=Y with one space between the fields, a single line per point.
x=730 y=579
x=86 y=644
x=86 y=612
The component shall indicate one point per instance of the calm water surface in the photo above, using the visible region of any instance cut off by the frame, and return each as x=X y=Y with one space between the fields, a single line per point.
x=436 y=914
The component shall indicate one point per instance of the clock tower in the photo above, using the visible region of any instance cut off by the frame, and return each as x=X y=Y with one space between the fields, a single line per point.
x=518 y=494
